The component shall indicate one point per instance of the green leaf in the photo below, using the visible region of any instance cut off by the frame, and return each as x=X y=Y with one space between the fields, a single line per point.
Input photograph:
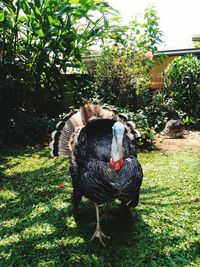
x=50 y=19
x=25 y=7
x=74 y=2
x=187 y=120
x=105 y=22
x=11 y=7
x=40 y=33
x=2 y=16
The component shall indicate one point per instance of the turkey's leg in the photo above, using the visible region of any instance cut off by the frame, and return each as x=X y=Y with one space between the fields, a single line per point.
x=107 y=215
x=98 y=232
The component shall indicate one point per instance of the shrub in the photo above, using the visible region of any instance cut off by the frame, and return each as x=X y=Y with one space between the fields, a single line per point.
x=161 y=109
x=141 y=120
x=22 y=128
x=182 y=80
x=123 y=69
x=120 y=76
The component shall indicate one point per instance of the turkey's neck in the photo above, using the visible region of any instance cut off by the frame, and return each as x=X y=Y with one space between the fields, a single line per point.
x=116 y=161
x=116 y=152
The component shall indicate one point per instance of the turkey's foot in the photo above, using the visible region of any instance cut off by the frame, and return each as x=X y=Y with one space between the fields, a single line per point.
x=100 y=235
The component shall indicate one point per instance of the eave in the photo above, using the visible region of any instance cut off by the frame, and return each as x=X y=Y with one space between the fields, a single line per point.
x=180 y=52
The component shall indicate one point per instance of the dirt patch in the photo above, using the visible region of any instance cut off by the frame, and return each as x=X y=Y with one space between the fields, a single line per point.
x=190 y=139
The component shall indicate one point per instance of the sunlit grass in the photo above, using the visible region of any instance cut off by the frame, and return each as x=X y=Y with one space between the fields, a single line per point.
x=37 y=226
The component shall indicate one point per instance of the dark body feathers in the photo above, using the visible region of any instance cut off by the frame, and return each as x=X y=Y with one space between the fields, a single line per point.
x=86 y=134
x=93 y=177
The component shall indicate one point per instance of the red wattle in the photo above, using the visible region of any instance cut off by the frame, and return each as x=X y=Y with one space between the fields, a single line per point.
x=116 y=165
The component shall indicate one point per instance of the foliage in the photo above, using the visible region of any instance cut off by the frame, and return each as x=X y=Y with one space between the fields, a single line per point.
x=161 y=109
x=21 y=128
x=51 y=32
x=141 y=120
x=45 y=34
x=38 y=40
x=28 y=117
x=120 y=75
x=196 y=44
x=142 y=35
x=182 y=79
x=146 y=35
x=123 y=68
x=39 y=229
x=152 y=115
x=79 y=89
x=42 y=38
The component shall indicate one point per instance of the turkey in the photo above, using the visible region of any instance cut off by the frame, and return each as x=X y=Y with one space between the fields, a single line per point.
x=104 y=165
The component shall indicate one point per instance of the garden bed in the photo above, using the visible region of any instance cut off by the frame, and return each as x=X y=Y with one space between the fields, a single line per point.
x=190 y=139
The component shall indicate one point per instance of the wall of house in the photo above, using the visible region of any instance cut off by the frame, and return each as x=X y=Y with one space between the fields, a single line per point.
x=156 y=72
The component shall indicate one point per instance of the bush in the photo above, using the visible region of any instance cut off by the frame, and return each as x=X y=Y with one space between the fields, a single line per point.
x=182 y=80
x=123 y=69
x=147 y=132
x=161 y=109
x=120 y=76
x=21 y=128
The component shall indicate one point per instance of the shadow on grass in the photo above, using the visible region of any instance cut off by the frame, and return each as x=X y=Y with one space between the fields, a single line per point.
x=39 y=229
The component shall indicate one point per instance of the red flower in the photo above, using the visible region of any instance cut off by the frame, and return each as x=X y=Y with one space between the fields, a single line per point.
x=119 y=61
x=61 y=186
x=149 y=55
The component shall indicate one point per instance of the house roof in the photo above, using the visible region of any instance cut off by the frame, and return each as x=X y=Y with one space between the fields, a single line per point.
x=180 y=52
x=196 y=37
x=188 y=45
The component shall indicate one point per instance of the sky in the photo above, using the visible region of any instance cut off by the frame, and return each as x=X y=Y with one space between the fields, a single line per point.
x=179 y=19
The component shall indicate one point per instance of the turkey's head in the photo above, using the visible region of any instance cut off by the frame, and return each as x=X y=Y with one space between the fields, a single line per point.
x=116 y=161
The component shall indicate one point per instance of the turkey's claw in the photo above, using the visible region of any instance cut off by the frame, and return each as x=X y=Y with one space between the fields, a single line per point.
x=100 y=235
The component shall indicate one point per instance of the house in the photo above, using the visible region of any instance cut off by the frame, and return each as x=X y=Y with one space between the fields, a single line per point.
x=188 y=47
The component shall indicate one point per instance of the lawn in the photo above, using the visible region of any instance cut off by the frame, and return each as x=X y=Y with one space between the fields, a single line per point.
x=37 y=226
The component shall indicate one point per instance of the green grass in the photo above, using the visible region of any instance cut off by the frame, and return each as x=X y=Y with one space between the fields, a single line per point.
x=37 y=227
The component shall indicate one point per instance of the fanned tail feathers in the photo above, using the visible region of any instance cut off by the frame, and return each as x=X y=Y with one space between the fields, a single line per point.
x=65 y=129
x=65 y=137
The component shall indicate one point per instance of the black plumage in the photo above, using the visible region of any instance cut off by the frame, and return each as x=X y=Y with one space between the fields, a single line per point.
x=91 y=171
x=88 y=134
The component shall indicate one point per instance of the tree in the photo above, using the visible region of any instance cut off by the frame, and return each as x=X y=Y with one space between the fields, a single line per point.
x=41 y=38
x=123 y=68
x=144 y=35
